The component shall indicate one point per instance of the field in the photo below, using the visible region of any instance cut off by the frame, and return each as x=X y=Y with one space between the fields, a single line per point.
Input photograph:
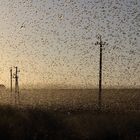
x=71 y=114
x=38 y=124
x=77 y=99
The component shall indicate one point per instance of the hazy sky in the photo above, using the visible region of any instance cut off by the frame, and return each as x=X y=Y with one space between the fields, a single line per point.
x=52 y=42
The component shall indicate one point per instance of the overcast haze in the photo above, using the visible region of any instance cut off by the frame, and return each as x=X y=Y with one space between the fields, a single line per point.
x=52 y=42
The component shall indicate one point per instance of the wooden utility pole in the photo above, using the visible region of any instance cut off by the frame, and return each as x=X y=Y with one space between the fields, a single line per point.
x=16 y=77
x=101 y=44
x=11 y=77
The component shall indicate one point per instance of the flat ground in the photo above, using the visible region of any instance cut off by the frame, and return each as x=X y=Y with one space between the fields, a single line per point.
x=82 y=99
x=40 y=124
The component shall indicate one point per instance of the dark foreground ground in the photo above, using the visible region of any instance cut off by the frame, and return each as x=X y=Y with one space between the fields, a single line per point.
x=39 y=124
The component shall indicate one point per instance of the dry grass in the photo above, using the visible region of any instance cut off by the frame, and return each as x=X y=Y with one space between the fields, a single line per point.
x=39 y=124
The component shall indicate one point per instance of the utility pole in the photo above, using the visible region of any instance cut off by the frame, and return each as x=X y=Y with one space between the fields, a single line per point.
x=16 y=77
x=11 y=77
x=101 y=44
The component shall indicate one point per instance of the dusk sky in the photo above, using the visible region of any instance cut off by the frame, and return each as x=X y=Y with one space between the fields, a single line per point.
x=53 y=42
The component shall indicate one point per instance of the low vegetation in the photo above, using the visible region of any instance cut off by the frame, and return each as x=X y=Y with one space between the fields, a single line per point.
x=40 y=124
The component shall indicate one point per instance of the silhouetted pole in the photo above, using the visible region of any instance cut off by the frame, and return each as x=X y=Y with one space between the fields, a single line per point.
x=16 y=85
x=11 y=77
x=101 y=44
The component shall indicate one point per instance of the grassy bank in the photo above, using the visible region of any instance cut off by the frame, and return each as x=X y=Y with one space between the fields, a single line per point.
x=37 y=124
